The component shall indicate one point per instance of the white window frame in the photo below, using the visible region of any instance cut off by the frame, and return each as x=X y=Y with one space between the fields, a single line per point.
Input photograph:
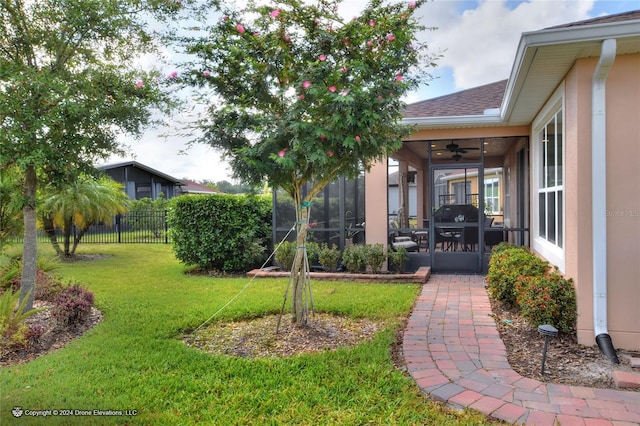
x=494 y=182
x=548 y=249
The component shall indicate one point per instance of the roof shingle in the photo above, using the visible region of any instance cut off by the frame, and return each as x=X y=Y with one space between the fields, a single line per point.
x=618 y=17
x=473 y=101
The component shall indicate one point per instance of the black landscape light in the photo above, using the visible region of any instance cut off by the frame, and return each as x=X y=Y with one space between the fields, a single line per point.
x=547 y=331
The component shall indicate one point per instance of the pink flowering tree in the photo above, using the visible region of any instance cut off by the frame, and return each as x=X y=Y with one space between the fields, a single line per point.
x=68 y=88
x=300 y=96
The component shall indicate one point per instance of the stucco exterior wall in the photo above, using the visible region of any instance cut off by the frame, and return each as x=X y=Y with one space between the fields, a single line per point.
x=623 y=197
x=623 y=193
x=375 y=204
x=623 y=201
x=578 y=234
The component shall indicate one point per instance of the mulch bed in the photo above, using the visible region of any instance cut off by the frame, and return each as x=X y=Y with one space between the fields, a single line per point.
x=567 y=362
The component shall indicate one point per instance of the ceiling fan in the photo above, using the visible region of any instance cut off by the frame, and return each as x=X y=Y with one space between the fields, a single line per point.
x=456 y=150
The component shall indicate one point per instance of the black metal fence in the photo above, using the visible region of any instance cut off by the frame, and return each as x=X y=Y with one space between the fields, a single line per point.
x=135 y=227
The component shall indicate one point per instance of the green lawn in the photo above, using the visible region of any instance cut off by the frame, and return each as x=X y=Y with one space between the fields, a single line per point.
x=135 y=359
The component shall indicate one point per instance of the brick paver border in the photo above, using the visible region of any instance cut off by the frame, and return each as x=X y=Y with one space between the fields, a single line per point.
x=454 y=352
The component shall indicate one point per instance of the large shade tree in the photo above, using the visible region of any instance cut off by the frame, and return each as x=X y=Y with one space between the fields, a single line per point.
x=10 y=204
x=302 y=96
x=69 y=85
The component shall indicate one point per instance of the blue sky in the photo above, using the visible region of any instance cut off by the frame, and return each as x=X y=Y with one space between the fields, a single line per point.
x=478 y=40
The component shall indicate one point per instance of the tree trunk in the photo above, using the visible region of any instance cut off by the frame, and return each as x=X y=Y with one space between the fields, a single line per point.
x=66 y=231
x=301 y=297
x=30 y=248
x=78 y=237
x=50 y=231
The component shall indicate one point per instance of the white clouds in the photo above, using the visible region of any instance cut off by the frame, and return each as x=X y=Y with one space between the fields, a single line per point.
x=481 y=43
x=167 y=149
x=171 y=156
x=479 y=40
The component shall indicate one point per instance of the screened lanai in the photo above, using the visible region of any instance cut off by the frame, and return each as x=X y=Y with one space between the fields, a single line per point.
x=459 y=198
x=336 y=218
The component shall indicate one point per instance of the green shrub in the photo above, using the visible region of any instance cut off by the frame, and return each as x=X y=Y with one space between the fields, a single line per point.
x=399 y=259
x=354 y=257
x=313 y=252
x=285 y=253
x=229 y=233
x=547 y=299
x=329 y=257
x=47 y=263
x=506 y=265
x=48 y=287
x=375 y=256
x=502 y=247
x=11 y=268
x=9 y=272
x=13 y=329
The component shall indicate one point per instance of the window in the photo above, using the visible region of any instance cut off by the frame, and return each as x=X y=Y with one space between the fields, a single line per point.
x=548 y=182
x=461 y=191
x=143 y=190
x=550 y=188
x=492 y=196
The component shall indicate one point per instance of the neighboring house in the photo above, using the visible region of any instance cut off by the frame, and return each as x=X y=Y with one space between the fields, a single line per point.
x=394 y=193
x=141 y=181
x=463 y=188
x=564 y=132
x=191 y=187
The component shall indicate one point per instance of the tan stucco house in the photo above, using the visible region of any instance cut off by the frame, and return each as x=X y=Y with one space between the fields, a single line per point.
x=561 y=138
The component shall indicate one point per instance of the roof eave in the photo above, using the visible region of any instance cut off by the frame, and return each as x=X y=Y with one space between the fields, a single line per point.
x=529 y=44
x=454 y=121
x=146 y=168
x=531 y=41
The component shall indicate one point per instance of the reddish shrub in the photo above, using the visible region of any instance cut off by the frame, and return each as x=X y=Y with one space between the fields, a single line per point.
x=72 y=305
x=548 y=299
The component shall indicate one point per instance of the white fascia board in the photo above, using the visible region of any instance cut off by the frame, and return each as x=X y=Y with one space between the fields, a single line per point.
x=531 y=41
x=586 y=33
x=454 y=121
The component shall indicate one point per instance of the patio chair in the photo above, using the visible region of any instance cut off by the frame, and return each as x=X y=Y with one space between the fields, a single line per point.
x=397 y=240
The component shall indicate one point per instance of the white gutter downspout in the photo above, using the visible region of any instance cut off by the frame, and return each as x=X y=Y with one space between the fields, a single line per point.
x=599 y=198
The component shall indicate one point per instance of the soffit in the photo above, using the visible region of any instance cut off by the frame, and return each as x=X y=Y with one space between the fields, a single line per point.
x=417 y=150
x=542 y=67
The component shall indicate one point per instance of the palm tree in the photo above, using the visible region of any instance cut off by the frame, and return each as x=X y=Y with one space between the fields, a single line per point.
x=80 y=204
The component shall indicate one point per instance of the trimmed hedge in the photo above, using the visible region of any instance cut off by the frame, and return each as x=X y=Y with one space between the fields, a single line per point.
x=548 y=299
x=230 y=233
x=519 y=278
x=507 y=263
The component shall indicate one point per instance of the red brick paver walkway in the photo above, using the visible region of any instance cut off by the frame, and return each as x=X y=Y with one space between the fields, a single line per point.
x=454 y=353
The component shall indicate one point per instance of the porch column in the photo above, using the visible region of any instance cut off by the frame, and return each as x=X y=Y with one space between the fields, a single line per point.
x=420 y=189
x=403 y=194
x=422 y=193
x=376 y=194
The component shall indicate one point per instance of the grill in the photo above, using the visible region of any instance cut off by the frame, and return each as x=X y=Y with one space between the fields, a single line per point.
x=456 y=213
